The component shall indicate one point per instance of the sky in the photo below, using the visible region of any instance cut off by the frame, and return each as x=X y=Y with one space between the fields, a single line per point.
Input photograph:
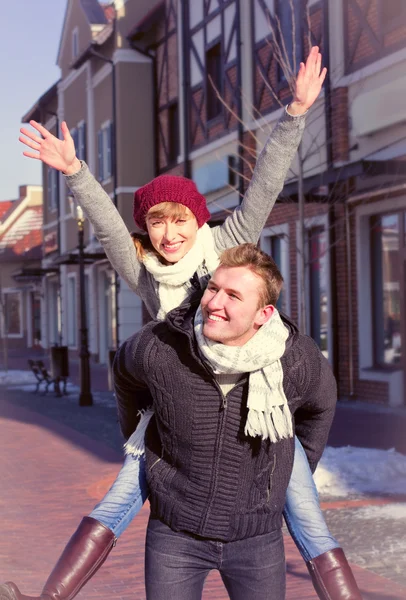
x=29 y=43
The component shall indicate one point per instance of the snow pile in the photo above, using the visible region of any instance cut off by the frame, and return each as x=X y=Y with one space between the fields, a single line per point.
x=14 y=377
x=395 y=511
x=353 y=471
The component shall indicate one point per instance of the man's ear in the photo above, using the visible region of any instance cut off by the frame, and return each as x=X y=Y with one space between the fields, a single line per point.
x=264 y=314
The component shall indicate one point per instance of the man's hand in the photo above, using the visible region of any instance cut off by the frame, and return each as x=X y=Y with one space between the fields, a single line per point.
x=58 y=154
x=308 y=83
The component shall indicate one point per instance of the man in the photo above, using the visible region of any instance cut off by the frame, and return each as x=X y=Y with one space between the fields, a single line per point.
x=228 y=381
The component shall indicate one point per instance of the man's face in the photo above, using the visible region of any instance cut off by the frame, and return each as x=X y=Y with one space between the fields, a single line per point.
x=230 y=306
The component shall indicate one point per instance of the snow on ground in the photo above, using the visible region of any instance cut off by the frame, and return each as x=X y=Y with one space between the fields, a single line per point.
x=14 y=377
x=352 y=471
x=395 y=511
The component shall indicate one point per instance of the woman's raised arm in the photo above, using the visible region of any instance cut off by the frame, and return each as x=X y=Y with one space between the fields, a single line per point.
x=245 y=224
x=109 y=227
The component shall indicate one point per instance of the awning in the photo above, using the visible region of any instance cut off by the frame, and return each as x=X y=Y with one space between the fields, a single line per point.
x=390 y=160
x=72 y=258
x=32 y=274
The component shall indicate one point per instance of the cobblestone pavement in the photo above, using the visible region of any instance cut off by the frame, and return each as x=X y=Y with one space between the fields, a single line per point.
x=57 y=461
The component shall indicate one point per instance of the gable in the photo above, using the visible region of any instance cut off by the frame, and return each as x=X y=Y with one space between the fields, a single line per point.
x=81 y=17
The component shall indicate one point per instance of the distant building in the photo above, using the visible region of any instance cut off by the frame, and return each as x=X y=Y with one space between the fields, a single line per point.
x=20 y=268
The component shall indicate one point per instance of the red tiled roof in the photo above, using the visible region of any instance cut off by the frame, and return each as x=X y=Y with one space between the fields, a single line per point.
x=109 y=11
x=24 y=237
x=4 y=206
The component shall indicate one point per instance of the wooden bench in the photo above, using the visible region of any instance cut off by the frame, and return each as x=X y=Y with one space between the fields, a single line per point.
x=43 y=377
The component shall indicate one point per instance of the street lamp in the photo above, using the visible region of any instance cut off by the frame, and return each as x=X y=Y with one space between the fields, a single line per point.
x=85 y=397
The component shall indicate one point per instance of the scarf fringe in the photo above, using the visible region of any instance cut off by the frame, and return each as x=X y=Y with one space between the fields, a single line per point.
x=135 y=445
x=275 y=423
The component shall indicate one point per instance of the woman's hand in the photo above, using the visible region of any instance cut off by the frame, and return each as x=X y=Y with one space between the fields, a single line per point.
x=308 y=83
x=58 y=154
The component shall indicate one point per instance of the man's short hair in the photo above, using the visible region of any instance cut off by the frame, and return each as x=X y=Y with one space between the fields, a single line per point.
x=260 y=263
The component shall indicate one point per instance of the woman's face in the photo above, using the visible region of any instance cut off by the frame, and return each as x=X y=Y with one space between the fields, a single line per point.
x=172 y=237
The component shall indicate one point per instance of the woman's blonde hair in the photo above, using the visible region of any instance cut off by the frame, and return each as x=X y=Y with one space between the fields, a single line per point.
x=164 y=210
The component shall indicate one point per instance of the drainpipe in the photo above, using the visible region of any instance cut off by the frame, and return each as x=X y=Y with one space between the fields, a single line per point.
x=240 y=127
x=187 y=172
x=331 y=211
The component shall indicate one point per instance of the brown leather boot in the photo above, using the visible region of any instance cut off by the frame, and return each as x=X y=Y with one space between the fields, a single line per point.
x=332 y=576
x=86 y=551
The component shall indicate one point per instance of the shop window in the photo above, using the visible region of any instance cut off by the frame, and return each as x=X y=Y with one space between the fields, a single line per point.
x=318 y=287
x=386 y=293
x=12 y=322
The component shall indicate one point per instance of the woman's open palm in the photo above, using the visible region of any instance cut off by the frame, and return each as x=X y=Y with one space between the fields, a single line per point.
x=59 y=154
x=310 y=79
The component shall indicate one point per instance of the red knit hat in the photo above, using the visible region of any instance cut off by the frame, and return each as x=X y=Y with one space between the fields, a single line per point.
x=169 y=188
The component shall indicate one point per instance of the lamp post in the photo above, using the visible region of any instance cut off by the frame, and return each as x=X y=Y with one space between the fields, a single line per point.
x=85 y=397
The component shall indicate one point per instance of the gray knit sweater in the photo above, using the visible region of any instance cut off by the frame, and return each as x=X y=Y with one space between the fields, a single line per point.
x=243 y=225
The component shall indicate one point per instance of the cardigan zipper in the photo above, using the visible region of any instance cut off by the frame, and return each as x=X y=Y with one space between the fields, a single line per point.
x=218 y=449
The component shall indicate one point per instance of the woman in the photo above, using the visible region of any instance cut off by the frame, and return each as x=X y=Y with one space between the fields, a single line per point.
x=178 y=254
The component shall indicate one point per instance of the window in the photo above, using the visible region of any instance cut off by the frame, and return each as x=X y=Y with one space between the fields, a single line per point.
x=75 y=43
x=79 y=139
x=291 y=28
x=173 y=132
x=72 y=312
x=104 y=151
x=213 y=73
x=318 y=287
x=52 y=188
x=276 y=253
x=12 y=321
x=54 y=313
x=274 y=242
x=386 y=290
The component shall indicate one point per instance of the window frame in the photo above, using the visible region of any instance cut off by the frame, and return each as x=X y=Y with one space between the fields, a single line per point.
x=75 y=43
x=211 y=96
x=105 y=152
x=282 y=232
x=8 y=292
x=72 y=312
x=52 y=189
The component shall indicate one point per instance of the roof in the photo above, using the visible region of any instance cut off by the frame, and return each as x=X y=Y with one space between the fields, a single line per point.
x=95 y=13
x=35 y=111
x=23 y=238
x=4 y=207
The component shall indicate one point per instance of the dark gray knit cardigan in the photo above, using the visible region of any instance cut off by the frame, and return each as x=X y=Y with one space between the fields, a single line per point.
x=205 y=475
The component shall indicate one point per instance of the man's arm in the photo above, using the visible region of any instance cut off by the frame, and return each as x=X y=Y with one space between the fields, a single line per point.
x=316 y=410
x=132 y=394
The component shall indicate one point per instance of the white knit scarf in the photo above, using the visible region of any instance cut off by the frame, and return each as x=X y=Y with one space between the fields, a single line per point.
x=174 y=287
x=174 y=279
x=268 y=411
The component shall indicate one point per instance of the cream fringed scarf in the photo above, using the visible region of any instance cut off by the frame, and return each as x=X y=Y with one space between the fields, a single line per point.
x=268 y=411
x=174 y=288
x=174 y=279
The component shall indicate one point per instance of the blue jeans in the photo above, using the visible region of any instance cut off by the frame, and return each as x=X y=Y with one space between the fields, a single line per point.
x=177 y=564
x=302 y=512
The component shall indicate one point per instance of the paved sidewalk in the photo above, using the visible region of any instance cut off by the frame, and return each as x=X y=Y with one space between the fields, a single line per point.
x=57 y=461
